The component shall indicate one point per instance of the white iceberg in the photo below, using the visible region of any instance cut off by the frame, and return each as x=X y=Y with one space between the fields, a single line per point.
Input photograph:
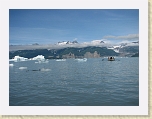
x=22 y=68
x=18 y=58
x=11 y=65
x=81 y=60
x=39 y=57
x=61 y=60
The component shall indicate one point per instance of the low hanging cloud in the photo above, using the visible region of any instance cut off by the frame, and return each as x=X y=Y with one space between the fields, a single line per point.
x=104 y=42
x=127 y=37
x=56 y=46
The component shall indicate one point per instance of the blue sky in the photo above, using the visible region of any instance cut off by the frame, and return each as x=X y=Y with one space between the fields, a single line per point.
x=49 y=26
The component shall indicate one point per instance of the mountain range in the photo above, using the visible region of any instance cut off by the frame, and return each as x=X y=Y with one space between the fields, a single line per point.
x=127 y=49
x=68 y=49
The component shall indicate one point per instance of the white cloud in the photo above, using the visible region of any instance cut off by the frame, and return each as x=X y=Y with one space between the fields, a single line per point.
x=55 y=46
x=96 y=41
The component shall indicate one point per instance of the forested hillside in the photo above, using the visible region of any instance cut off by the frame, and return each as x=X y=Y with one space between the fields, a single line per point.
x=66 y=52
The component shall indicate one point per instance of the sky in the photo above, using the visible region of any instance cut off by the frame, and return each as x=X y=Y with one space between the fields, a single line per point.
x=49 y=26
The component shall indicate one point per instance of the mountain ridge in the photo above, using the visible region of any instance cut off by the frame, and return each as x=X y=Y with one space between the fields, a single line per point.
x=71 y=52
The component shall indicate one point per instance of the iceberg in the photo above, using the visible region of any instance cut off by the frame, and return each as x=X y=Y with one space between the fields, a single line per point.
x=18 y=58
x=22 y=68
x=61 y=60
x=81 y=60
x=11 y=65
x=39 y=57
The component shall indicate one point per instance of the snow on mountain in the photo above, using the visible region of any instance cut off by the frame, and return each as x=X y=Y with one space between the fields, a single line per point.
x=94 y=42
x=67 y=42
x=101 y=43
x=62 y=43
x=117 y=48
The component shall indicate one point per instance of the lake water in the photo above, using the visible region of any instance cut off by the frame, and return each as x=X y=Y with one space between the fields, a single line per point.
x=95 y=82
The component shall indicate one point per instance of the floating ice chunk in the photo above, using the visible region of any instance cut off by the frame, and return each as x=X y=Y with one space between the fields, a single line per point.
x=45 y=69
x=81 y=60
x=22 y=68
x=39 y=57
x=11 y=65
x=61 y=60
x=18 y=58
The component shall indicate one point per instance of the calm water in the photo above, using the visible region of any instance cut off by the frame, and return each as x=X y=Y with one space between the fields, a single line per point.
x=73 y=83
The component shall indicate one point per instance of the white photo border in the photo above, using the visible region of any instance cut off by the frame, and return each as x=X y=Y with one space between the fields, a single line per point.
x=142 y=109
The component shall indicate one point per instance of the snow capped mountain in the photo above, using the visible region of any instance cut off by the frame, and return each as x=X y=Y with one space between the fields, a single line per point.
x=121 y=47
x=73 y=42
x=92 y=43
x=67 y=42
x=62 y=43
x=117 y=48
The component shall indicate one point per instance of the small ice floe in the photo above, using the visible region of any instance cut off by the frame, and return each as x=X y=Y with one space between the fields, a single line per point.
x=61 y=60
x=81 y=60
x=11 y=65
x=22 y=68
x=45 y=69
